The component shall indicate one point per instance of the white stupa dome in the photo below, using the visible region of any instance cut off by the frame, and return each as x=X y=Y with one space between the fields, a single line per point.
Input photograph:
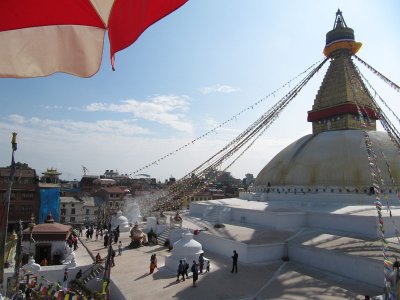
x=328 y=159
x=121 y=221
x=185 y=248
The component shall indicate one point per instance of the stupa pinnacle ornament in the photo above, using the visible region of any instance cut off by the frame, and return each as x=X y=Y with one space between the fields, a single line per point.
x=342 y=90
x=340 y=37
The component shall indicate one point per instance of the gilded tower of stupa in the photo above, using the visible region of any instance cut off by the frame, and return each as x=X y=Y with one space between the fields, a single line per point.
x=335 y=106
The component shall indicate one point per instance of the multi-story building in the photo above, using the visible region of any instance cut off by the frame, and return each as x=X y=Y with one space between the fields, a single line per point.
x=24 y=198
x=90 y=209
x=50 y=189
x=71 y=210
x=113 y=197
x=77 y=211
x=87 y=183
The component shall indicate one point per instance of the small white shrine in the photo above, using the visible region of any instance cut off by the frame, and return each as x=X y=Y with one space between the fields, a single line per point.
x=185 y=248
x=121 y=221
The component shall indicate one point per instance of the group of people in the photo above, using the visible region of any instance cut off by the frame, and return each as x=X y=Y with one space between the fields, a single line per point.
x=197 y=267
x=115 y=235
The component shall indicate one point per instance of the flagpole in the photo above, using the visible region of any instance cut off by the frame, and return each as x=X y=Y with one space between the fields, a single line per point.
x=5 y=209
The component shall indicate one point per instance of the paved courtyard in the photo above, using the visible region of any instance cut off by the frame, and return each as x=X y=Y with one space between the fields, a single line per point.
x=272 y=280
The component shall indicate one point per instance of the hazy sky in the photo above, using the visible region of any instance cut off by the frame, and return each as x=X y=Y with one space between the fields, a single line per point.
x=186 y=74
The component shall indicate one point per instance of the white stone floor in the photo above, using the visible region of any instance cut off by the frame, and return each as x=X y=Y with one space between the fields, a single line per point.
x=270 y=280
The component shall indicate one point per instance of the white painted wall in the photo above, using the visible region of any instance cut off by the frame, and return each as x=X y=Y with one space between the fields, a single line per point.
x=56 y=247
x=247 y=253
x=365 y=270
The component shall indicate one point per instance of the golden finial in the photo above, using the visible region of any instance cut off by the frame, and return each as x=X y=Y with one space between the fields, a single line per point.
x=14 y=141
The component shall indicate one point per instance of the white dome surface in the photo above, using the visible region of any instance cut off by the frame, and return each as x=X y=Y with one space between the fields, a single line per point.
x=185 y=248
x=331 y=158
x=121 y=221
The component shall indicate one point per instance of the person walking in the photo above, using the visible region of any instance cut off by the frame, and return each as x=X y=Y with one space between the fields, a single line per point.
x=79 y=274
x=195 y=272
x=186 y=265
x=105 y=241
x=116 y=234
x=153 y=263
x=120 y=247
x=181 y=271
x=112 y=258
x=201 y=262
x=208 y=266
x=234 y=261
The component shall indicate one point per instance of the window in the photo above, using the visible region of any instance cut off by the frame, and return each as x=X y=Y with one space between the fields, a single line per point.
x=27 y=196
x=62 y=220
x=26 y=208
x=116 y=204
x=87 y=211
x=73 y=205
x=63 y=211
x=110 y=203
x=12 y=197
x=72 y=211
x=63 y=205
x=72 y=219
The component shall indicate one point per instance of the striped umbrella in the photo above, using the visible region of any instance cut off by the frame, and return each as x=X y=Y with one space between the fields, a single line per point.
x=41 y=37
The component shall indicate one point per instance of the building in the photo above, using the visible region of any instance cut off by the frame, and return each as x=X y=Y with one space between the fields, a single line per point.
x=50 y=190
x=87 y=183
x=24 y=198
x=46 y=240
x=113 y=197
x=71 y=210
x=77 y=211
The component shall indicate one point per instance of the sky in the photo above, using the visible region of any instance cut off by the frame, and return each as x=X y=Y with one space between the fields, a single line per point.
x=189 y=72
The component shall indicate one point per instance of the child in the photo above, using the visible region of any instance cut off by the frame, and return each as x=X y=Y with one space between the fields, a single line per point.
x=208 y=266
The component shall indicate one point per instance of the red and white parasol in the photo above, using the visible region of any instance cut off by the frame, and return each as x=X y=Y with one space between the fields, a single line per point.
x=41 y=37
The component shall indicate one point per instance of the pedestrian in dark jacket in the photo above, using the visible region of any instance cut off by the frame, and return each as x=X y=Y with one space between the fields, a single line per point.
x=185 y=263
x=234 y=261
x=201 y=262
x=106 y=240
x=181 y=271
x=195 y=272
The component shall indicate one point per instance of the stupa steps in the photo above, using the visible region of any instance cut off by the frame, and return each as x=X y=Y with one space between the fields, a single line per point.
x=163 y=237
x=96 y=271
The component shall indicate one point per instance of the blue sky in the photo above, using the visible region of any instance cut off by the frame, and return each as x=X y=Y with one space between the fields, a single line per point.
x=186 y=74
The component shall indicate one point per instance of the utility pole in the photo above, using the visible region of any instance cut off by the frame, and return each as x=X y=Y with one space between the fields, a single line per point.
x=107 y=271
x=4 y=209
x=14 y=282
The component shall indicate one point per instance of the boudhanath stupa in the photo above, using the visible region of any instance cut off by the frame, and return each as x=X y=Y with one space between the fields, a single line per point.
x=320 y=202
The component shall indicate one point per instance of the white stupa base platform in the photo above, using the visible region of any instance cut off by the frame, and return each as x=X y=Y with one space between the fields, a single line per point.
x=340 y=238
x=292 y=214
